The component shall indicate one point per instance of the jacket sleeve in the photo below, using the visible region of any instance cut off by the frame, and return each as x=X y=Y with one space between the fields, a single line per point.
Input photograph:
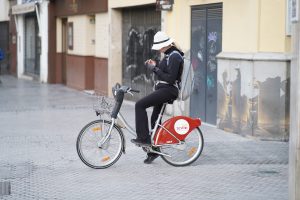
x=170 y=74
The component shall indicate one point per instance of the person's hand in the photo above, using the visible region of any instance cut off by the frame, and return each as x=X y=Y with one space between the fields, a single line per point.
x=151 y=65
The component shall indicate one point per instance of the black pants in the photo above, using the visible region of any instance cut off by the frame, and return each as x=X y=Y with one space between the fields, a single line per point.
x=156 y=99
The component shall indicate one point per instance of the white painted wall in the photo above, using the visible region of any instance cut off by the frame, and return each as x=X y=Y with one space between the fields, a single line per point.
x=44 y=41
x=43 y=13
x=4 y=8
x=20 y=43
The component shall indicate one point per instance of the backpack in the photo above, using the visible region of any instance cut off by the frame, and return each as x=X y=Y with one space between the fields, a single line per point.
x=187 y=78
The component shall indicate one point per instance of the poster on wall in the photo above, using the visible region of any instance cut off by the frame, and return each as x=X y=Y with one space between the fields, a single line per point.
x=164 y=5
x=295 y=11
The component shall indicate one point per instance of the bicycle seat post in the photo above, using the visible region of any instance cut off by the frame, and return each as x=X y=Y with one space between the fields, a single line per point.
x=157 y=123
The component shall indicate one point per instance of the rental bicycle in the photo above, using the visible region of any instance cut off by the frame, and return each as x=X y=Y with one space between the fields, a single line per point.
x=178 y=140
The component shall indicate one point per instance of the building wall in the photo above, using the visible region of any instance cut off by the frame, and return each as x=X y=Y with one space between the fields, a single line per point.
x=101 y=53
x=254 y=60
x=248 y=25
x=84 y=33
x=115 y=50
x=43 y=34
x=254 y=57
x=44 y=41
x=272 y=36
x=115 y=38
x=122 y=3
x=80 y=59
x=86 y=63
x=102 y=35
x=4 y=9
x=58 y=35
x=294 y=143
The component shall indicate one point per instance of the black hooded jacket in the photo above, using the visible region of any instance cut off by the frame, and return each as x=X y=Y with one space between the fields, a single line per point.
x=172 y=72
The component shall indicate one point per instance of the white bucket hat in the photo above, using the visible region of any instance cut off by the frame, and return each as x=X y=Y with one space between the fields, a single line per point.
x=161 y=40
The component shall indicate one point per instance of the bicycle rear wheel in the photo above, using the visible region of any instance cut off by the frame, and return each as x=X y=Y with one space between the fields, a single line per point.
x=186 y=153
x=88 y=144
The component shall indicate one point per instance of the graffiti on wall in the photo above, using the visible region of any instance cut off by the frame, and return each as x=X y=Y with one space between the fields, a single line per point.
x=138 y=50
x=254 y=103
x=198 y=56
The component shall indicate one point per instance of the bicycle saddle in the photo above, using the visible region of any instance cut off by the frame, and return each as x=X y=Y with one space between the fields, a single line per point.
x=171 y=101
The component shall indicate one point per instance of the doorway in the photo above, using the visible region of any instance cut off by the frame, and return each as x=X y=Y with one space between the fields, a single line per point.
x=4 y=46
x=206 y=43
x=32 y=46
x=64 y=50
x=139 y=25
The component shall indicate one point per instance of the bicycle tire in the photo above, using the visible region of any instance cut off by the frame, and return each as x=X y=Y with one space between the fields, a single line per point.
x=175 y=159
x=99 y=125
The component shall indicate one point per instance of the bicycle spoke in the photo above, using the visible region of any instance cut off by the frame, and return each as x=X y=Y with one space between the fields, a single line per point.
x=89 y=151
x=187 y=153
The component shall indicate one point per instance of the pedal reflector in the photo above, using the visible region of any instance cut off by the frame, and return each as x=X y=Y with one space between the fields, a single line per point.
x=105 y=158
x=192 y=151
x=95 y=129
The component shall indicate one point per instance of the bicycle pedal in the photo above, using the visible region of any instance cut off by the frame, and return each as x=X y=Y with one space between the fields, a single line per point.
x=143 y=145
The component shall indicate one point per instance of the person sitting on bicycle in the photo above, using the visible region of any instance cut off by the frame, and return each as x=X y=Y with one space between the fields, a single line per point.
x=168 y=71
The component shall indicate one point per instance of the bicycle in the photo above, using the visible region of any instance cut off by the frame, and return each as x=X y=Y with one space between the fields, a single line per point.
x=179 y=140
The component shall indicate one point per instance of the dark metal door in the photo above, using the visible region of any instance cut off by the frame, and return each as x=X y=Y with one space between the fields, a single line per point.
x=4 y=66
x=139 y=27
x=206 y=43
x=32 y=46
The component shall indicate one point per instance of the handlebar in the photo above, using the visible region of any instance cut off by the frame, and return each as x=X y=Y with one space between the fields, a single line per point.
x=119 y=92
x=134 y=90
x=124 y=89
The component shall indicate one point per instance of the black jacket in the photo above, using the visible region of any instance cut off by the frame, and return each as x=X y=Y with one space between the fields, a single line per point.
x=172 y=72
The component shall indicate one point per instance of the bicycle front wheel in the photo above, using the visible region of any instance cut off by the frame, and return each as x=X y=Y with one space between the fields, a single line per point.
x=94 y=154
x=185 y=153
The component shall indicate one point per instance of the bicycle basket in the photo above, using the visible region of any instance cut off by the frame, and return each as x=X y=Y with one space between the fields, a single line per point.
x=103 y=104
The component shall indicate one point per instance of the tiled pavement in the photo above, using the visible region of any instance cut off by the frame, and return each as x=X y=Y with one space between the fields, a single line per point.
x=39 y=124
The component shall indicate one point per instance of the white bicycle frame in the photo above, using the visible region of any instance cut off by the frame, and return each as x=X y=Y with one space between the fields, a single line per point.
x=133 y=132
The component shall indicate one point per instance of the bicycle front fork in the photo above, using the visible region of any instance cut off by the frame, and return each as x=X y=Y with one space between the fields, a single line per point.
x=107 y=134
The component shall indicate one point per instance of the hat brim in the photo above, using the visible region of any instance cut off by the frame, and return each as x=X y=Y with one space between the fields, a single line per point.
x=162 y=45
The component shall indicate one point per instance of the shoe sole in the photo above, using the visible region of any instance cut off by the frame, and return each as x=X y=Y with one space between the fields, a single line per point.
x=142 y=145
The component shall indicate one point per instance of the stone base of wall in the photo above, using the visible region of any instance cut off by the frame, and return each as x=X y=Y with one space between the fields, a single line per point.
x=253 y=94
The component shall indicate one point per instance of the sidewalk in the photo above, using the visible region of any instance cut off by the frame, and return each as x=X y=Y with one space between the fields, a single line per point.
x=39 y=125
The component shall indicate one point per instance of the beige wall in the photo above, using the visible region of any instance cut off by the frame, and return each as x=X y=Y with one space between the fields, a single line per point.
x=240 y=26
x=128 y=3
x=248 y=25
x=84 y=33
x=102 y=35
x=272 y=35
x=58 y=35
x=115 y=49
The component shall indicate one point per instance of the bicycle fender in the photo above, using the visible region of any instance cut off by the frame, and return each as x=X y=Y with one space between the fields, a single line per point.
x=175 y=129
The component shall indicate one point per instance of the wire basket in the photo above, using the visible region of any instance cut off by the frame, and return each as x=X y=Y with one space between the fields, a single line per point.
x=103 y=104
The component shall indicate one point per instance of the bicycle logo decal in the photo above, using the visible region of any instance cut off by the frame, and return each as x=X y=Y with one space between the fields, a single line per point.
x=181 y=126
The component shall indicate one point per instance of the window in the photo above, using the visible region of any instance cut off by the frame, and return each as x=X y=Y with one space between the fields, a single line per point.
x=70 y=35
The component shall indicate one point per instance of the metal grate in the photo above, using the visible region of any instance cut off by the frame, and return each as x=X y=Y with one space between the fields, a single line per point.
x=5 y=188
